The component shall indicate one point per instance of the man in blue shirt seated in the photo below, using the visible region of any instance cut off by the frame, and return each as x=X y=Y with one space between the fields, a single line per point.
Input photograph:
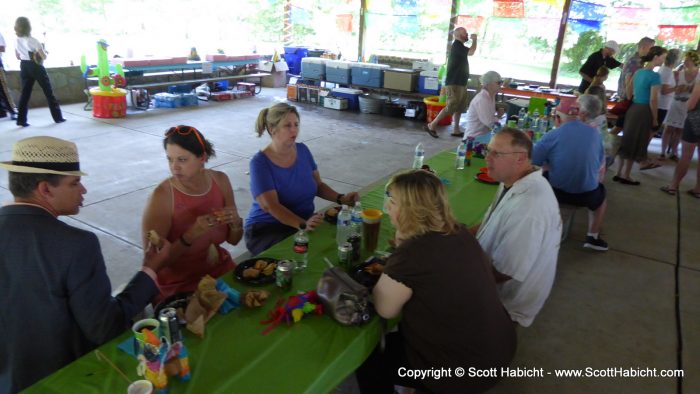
x=573 y=154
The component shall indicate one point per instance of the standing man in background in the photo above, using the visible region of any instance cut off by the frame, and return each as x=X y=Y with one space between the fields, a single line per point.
x=6 y=103
x=455 y=82
x=603 y=57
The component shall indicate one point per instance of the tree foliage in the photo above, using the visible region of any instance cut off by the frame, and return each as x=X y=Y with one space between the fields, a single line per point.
x=587 y=43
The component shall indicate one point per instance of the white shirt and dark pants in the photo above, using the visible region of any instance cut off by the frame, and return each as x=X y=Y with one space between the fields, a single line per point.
x=6 y=103
x=31 y=72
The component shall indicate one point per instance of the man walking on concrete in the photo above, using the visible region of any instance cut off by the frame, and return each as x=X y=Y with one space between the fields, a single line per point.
x=455 y=82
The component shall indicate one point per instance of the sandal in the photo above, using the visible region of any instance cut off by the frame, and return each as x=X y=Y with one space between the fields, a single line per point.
x=694 y=193
x=432 y=133
x=626 y=181
x=668 y=190
x=674 y=158
x=649 y=166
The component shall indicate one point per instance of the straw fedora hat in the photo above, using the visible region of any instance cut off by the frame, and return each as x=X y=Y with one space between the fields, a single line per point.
x=44 y=155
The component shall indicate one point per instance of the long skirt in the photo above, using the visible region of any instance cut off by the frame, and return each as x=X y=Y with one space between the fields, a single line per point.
x=635 y=137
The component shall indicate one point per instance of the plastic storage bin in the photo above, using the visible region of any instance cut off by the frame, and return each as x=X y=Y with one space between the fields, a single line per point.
x=313 y=68
x=429 y=85
x=352 y=95
x=338 y=71
x=293 y=56
x=400 y=79
x=433 y=107
x=368 y=74
x=167 y=100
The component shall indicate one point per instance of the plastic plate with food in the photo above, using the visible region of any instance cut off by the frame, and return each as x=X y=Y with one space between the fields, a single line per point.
x=368 y=273
x=256 y=271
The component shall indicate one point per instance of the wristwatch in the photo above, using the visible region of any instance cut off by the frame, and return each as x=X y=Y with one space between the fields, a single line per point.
x=337 y=199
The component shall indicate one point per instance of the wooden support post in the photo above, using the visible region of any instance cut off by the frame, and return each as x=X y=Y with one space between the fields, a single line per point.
x=363 y=26
x=287 y=20
x=560 y=43
x=453 y=22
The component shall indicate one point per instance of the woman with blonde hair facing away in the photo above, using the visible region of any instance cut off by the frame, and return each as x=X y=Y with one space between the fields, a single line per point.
x=195 y=210
x=284 y=181
x=441 y=282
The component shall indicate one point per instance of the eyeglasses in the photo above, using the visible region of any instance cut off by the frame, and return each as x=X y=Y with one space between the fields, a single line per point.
x=187 y=130
x=496 y=154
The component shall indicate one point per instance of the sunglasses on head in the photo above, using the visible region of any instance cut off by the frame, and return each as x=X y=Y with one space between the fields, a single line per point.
x=187 y=130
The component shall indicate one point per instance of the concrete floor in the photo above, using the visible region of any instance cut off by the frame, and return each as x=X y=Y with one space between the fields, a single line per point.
x=606 y=310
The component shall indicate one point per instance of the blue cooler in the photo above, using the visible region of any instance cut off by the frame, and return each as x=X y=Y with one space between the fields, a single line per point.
x=368 y=74
x=338 y=71
x=313 y=68
x=428 y=82
x=352 y=95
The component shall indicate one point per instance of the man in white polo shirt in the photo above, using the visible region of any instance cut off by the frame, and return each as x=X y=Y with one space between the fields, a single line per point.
x=521 y=230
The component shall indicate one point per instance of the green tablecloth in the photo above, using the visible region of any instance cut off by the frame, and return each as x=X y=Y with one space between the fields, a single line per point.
x=312 y=356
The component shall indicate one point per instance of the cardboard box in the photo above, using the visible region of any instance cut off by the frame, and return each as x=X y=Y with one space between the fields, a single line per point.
x=276 y=79
x=400 y=79
x=292 y=93
x=167 y=100
x=335 y=103
x=246 y=86
x=221 y=96
x=271 y=67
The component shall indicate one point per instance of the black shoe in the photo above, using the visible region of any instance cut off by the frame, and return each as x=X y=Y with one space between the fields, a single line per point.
x=595 y=244
x=60 y=120
x=25 y=124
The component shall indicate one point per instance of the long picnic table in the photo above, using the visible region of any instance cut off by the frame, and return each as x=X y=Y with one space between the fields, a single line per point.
x=312 y=356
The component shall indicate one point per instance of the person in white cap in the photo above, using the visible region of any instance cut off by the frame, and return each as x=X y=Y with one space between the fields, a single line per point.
x=56 y=296
x=603 y=57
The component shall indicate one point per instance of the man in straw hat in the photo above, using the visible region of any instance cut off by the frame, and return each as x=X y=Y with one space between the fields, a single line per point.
x=56 y=296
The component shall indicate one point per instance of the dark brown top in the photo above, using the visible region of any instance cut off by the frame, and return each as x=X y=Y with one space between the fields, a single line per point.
x=454 y=317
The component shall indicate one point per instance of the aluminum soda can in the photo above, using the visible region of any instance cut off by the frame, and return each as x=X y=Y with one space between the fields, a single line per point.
x=356 y=242
x=169 y=325
x=284 y=274
x=345 y=254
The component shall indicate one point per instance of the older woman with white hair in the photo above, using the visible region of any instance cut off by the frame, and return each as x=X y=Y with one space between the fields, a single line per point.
x=481 y=115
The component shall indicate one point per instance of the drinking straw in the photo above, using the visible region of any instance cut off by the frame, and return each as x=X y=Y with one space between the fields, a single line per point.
x=101 y=356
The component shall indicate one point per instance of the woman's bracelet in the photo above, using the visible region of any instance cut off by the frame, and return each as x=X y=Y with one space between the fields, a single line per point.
x=184 y=241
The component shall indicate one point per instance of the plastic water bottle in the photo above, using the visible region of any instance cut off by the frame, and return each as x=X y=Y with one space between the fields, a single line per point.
x=356 y=219
x=535 y=120
x=418 y=157
x=461 y=155
x=496 y=128
x=521 y=118
x=344 y=226
x=301 y=248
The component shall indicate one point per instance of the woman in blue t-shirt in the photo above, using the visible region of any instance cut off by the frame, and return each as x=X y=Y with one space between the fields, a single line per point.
x=641 y=119
x=284 y=181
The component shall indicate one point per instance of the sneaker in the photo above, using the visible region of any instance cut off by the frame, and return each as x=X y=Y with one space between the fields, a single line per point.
x=595 y=244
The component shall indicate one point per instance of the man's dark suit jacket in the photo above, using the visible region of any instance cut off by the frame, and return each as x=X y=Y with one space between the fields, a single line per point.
x=55 y=296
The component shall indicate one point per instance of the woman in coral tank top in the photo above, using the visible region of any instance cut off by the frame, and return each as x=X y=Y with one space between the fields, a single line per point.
x=195 y=210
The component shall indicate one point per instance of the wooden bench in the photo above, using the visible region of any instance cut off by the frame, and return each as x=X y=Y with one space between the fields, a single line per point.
x=196 y=81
